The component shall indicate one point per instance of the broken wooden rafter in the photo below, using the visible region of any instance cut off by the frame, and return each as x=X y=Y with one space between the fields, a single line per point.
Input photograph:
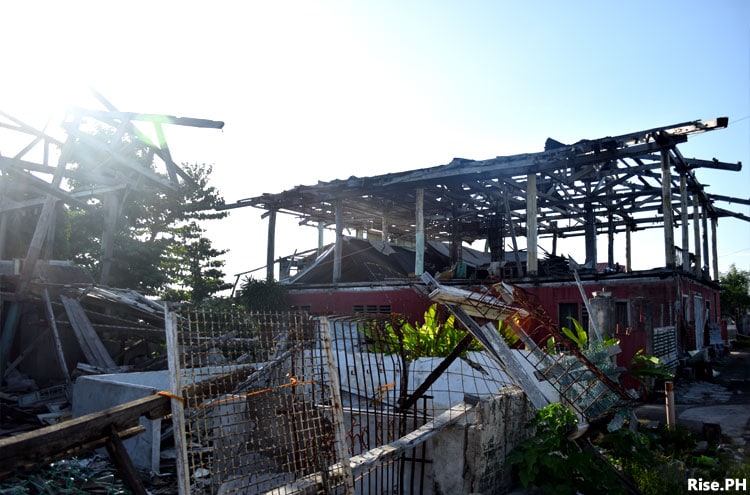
x=88 y=339
x=84 y=432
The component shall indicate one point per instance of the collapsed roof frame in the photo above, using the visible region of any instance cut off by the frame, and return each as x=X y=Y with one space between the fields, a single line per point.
x=612 y=184
x=80 y=146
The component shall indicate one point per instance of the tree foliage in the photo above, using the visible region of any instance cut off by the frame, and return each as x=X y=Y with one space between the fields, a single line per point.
x=263 y=295
x=735 y=292
x=159 y=247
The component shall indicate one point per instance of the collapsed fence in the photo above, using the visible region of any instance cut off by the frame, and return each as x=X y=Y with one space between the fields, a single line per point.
x=286 y=403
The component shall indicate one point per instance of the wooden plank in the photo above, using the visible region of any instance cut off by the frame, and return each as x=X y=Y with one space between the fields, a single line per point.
x=49 y=441
x=124 y=464
x=87 y=337
x=177 y=407
x=55 y=336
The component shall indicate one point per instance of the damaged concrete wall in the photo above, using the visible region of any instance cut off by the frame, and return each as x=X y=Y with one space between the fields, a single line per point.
x=470 y=457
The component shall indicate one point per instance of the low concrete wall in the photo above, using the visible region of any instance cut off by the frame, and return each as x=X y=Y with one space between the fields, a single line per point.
x=469 y=457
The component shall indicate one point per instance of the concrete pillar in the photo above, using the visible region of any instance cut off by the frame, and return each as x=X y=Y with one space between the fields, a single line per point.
x=602 y=314
x=419 y=255
x=666 y=204
x=532 y=264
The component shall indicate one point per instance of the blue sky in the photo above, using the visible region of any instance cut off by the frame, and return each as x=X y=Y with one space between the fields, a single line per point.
x=325 y=90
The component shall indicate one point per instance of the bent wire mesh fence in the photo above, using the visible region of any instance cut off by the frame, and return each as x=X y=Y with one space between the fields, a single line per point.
x=286 y=403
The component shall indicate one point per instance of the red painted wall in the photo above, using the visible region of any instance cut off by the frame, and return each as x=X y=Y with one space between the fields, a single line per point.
x=401 y=300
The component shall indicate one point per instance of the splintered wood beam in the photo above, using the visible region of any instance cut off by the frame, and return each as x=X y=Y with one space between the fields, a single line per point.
x=111 y=115
x=51 y=441
x=122 y=159
x=713 y=164
x=124 y=464
x=46 y=188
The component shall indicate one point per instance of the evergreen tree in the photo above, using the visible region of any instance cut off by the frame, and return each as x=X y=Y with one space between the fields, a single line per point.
x=159 y=247
x=735 y=292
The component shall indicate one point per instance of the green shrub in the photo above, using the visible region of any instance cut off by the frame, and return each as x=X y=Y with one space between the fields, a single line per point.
x=435 y=337
x=551 y=463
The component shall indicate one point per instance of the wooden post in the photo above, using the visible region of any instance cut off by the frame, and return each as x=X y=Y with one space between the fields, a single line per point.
x=610 y=240
x=112 y=205
x=697 y=235
x=669 y=389
x=554 y=238
x=684 y=219
x=590 y=235
x=3 y=233
x=532 y=264
x=666 y=205
x=178 y=411
x=321 y=232
x=512 y=230
x=56 y=337
x=120 y=458
x=270 y=255
x=419 y=254
x=456 y=251
x=628 y=249
x=704 y=225
x=339 y=243
x=714 y=247
x=49 y=245
x=384 y=222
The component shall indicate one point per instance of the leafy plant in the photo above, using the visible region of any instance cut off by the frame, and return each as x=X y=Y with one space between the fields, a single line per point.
x=644 y=366
x=506 y=332
x=577 y=334
x=551 y=463
x=435 y=337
